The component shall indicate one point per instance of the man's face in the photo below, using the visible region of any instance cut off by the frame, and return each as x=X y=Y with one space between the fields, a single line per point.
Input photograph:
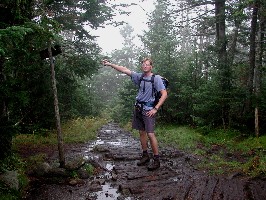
x=146 y=66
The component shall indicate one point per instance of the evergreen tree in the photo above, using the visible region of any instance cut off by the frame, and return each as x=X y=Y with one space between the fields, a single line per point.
x=26 y=29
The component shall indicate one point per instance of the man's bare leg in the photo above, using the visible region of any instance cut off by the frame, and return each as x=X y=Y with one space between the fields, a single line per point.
x=144 y=145
x=154 y=145
x=143 y=140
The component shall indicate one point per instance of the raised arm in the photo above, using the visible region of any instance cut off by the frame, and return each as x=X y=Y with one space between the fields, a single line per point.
x=117 y=67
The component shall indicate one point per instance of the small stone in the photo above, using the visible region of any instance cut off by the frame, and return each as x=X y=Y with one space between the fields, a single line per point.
x=114 y=176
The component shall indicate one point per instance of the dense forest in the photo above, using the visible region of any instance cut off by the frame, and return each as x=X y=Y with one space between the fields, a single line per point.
x=212 y=52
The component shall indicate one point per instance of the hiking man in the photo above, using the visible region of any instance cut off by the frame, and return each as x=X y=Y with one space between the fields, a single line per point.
x=145 y=110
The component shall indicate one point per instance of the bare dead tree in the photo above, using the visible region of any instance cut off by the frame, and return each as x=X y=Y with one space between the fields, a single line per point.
x=56 y=107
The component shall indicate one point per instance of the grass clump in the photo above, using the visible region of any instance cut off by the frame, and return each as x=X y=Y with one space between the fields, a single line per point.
x=234 y=151
x=78 y=130
x=89 y=168
x=221 y=151
x=184 y=138
x=82 y=129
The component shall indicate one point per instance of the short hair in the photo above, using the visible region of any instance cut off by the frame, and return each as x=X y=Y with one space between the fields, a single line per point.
x=147 y=59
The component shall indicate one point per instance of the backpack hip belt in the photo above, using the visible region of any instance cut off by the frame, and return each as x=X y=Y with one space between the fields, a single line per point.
x=148 y=104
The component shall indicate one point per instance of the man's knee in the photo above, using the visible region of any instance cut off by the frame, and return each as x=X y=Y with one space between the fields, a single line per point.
x=151 y=135
x=141 y=132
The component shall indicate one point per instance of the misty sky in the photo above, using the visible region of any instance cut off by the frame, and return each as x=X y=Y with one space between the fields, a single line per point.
x=109 y=37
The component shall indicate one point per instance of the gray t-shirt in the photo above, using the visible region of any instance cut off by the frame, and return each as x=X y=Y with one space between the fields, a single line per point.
x=146 y=95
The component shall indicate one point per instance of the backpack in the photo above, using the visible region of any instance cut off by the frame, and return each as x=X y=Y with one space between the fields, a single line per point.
x=155 y=93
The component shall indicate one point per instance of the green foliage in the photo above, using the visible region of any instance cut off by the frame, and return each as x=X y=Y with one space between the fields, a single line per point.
x=124 y=108
x=78 y=130
x=8 y=194
x=74 y=174
x=13 y=163
x=204 y=91
x=27 y=84
x=81 y=130
x=89 y=168
x=255 y=166
x=220 y=151
x=182 y=137
x=187 y=56
x=206 y=105
x=231 y=143
x=31 y=161
x=73 y=16
x=12 y=37
x=262 y=106
x=26 y=29
x=15 y=12
x=217 y=165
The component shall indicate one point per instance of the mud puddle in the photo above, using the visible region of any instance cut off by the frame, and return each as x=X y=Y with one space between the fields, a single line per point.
x=116 y=152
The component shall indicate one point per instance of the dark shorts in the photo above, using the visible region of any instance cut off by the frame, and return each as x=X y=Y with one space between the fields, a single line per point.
x=142 y=122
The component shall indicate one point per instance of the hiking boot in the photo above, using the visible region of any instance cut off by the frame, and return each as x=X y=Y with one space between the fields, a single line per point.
x=154 y=165
x=144 y=160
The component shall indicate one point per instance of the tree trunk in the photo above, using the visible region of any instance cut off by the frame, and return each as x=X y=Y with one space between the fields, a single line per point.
x=232 y=49
x=57 y=115
x=5 y=126
x=223 y=67
x=258 y=67
x=252 y=57
x=3 y=112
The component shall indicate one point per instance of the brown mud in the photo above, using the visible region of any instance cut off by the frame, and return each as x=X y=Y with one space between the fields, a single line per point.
x=115 y=154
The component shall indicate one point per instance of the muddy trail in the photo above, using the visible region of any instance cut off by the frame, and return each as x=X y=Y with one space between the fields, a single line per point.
x=115 y=154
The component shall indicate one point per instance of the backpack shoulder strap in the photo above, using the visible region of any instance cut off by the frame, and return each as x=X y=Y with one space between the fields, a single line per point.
x=152 y=81
x=152 y=78
x=141 y=78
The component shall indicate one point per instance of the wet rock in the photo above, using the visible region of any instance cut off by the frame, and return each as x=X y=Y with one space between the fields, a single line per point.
x=119 y=157
x=75 y=163
x=137 y=190
x=100 y=148
x=58 y=172
x=97 y=163
x=95 y=186
x=83 y=174
x=41 y=169
x=114 y=176
x=108 y=156
x=74 y=182
x=99 y=181
x=125 y=191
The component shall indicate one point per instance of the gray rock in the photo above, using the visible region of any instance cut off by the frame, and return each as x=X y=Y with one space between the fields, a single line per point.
x=75 y=163
x=10 y=178
x=58 y=172
x=42 y=169
x=83 y=174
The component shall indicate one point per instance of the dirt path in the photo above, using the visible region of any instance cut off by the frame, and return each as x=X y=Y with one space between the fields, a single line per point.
x=116 y=152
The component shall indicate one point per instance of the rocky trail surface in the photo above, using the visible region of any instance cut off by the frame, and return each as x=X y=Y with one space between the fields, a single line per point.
x=115 y=154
